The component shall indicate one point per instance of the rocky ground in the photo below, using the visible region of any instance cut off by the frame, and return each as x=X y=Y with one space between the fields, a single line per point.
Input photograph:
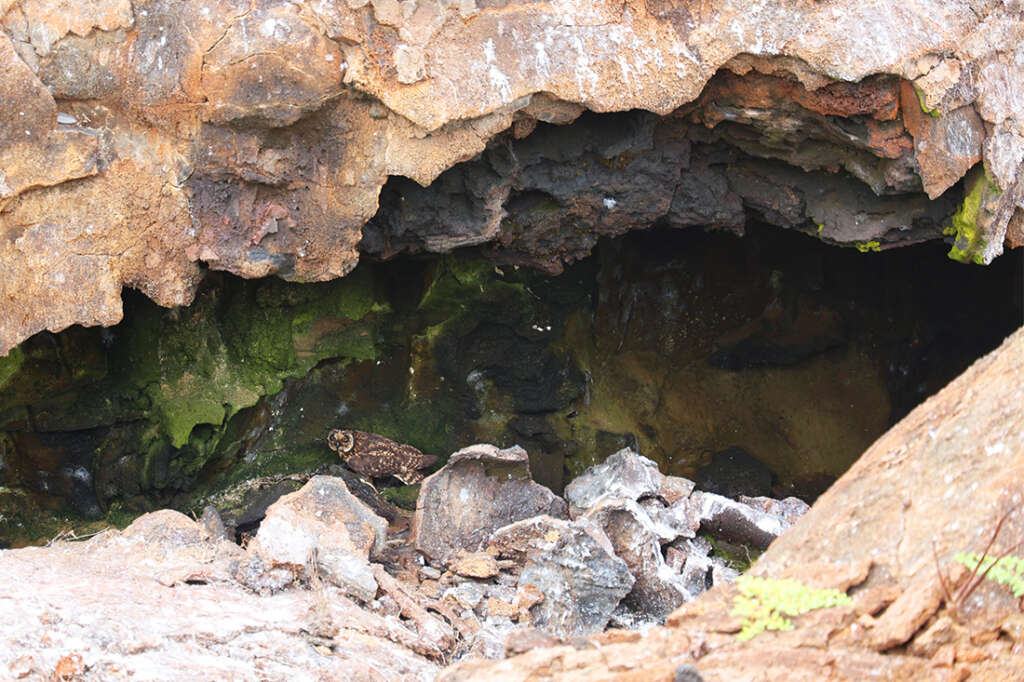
x=491 y=564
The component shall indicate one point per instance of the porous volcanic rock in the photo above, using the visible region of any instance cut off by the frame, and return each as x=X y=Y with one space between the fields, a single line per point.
x=573 y=569
x=480 y=489
x=143 y=142
x=624 y=475
x=156 y=601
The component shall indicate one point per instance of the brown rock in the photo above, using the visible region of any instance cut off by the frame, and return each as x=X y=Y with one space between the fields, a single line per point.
x=522 y=640
x=475 y=565
x=947 y=144
x=480 y=489
x=497 y=607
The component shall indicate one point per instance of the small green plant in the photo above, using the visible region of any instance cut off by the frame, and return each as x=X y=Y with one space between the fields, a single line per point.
x=1003 y=569
x=1008 y=570
x=765 y=603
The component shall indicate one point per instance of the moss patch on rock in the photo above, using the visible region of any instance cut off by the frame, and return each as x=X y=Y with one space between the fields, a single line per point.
x=967 y=228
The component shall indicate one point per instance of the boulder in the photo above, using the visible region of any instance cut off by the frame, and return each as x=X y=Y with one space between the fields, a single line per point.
x=479 y=490
x=157 y=601
x=323 y=528
x=657 y=589
x=625 y=474
x=581 y=580
x=736 y=522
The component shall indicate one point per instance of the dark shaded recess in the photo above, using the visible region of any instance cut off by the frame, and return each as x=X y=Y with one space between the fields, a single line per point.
x=734 y=472
x=929 y=317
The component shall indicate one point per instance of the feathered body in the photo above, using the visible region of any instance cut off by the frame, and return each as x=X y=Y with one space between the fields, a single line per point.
x=375 y=456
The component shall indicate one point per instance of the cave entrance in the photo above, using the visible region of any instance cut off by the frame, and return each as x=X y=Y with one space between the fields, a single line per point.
x=762 y=363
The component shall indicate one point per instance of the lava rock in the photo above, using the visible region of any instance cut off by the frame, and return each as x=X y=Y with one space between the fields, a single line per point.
x=736 y=522
x=475 y=565
x=479 y=490
x=788 y=510
x=657 y=590
x=625 y=474
x=321 y=527
x=573 y=565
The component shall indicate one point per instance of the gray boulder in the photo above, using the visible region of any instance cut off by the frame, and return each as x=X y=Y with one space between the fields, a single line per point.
x=573 y=565
x=657 y=590
x=321 y=528
x=736 y=522
x=625 y=475
x=479 y=490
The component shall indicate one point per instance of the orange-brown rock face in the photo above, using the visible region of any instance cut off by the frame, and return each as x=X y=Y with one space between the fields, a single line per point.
x=143 y=142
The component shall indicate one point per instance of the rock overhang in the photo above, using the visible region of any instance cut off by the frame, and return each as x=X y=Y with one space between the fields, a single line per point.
x=145 y=143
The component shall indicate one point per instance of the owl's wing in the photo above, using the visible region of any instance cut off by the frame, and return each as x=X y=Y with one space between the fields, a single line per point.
x=376 y=464
x=412 y=458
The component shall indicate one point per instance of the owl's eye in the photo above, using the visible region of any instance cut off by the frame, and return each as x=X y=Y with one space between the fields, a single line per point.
x=347 y=441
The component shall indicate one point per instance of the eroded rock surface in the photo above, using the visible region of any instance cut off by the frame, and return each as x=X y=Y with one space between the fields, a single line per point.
x=142 y=142
x=156 y=601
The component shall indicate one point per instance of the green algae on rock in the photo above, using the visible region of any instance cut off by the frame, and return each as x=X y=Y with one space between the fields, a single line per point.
x=967 y=231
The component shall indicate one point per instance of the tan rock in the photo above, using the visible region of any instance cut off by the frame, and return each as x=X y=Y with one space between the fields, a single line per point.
x=96 y=610
x=320 y=528
x=475 y=565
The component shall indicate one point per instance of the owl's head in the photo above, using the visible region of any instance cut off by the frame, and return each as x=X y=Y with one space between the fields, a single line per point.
x=341 y=440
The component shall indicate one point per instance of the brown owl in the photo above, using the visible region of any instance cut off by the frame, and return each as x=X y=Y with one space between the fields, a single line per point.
x=375 y=456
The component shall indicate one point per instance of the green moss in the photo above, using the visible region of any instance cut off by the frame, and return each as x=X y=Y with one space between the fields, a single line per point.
x=460 y=284
x=1008 y=570
x=10 y=365
x=404 y=496
x=764 y=603
x=969 y=242
x=865 y=247
x=920 y=100
x=204 y=364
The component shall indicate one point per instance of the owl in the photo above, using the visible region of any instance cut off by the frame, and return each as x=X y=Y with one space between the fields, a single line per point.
x=378 y=457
